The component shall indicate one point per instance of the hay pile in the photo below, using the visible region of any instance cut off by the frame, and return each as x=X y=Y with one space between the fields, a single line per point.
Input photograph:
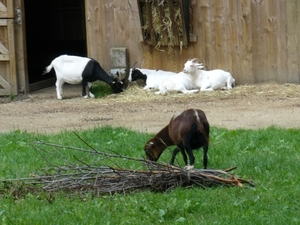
x=135 y=93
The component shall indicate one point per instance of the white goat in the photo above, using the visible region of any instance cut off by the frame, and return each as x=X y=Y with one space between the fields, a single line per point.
x=183 y=81
x=209 y=80
x=75 y=70
x=152 y=78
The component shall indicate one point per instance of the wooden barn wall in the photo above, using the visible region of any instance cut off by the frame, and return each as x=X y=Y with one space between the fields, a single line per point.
x=256 y=40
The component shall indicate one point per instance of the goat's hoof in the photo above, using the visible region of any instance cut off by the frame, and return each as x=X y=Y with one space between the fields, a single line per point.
x=189 y=167
x=86 y=96
x=59 y=98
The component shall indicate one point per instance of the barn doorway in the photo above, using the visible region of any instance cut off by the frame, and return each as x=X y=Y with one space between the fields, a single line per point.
x=52 y=28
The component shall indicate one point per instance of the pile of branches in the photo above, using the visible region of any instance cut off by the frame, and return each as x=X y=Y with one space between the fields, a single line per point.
x=82 y=177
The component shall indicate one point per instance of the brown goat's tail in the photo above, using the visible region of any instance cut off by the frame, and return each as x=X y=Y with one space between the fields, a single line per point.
x=203 y=125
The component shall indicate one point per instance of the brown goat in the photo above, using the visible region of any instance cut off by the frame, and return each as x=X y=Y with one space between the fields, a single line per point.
x=188 y=130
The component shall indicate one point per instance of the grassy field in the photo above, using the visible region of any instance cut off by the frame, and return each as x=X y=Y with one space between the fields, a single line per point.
x=269 y=157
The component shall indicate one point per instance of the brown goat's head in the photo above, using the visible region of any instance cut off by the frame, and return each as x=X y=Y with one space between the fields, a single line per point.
x=152 y=151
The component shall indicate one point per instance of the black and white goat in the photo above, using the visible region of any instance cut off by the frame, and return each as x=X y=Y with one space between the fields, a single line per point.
x=152 y=78
x=76 y=69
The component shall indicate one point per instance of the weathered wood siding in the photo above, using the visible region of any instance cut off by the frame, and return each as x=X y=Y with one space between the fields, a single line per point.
x=8 y=77
x=256 y=40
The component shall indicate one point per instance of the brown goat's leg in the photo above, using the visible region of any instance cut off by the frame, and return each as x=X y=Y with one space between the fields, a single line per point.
x=176 y=150
x=205 y=150
x=191 y=155
x=191 y=158
x=184 y=156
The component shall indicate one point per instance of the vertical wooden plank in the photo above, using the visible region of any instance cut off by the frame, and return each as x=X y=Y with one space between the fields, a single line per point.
x=208 y=43
x=293 y=38
x=197 y=25
x=21 y=63
x=92 y=8
x=223 y=57
x=235 y=31
x=12 y=75
x=121 y=31
x=259 y=55
x=246 y=44
x=100 y=30
x=282 y=43
x=235 y=39
x=271 y=28
x=135 y=46
x=12 y=57
x=108 y=31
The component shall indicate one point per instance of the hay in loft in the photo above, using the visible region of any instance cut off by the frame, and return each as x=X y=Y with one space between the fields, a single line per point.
x=161 y=23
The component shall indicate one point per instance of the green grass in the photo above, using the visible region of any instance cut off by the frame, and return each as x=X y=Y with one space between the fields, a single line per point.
x=100 y=89
x=270 y=157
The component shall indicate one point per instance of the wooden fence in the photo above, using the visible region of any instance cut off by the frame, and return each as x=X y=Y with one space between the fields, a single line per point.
x=256 y=40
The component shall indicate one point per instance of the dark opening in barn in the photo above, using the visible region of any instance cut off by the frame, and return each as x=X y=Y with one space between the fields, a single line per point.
x=52 y=28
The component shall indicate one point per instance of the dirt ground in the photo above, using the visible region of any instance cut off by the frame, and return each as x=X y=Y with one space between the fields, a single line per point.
x=245 y=106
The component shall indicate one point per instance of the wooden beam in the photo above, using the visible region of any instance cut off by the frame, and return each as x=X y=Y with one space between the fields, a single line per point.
x=4 y=57
x=6 y=87
x=3 y=49
x=3 y=22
